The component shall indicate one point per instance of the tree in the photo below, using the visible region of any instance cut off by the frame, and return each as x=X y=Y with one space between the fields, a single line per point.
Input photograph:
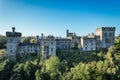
x=2 y=42
x=42 y=75
x=28 y=69
x=79 y=45
x=6 y=69
x=18 y=72
x=51 y=67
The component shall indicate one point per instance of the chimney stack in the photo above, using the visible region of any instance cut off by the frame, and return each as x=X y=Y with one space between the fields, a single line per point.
x=37 y=38
x=13 y=29
x=67 y=32
x=42 y=35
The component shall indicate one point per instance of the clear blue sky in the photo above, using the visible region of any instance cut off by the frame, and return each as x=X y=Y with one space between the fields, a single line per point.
x=33 y=17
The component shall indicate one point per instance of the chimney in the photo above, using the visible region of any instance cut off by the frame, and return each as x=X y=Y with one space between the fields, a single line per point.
x=67 y=31
x=13 y=29
x=37 y=38
x=42 y=35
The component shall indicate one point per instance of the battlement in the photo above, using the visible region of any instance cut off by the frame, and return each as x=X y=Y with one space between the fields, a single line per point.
x=106 y=28
x=13 y=33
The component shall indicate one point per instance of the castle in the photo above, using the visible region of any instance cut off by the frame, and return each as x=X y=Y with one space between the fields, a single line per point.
x=47 y=45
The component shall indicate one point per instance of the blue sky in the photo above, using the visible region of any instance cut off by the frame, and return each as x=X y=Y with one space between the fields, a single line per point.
x=33 y=17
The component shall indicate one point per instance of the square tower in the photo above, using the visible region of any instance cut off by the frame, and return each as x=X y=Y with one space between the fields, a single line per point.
x=107 y=35
x=13 y=39
x=48 y=46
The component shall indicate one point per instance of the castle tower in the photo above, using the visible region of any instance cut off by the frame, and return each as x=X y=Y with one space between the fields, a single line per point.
x=69 y=35
x=107 y=35
x=13 y=39
x=48 y=47
x=67 y=31
x=37 y=39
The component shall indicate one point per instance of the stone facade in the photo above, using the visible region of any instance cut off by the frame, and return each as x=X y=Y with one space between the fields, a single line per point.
x=107 y=35
x=47 y=45
x=63 y=44
x=75 y=41
x=13 y=40
x=90 y=43
x=28 y=48
x=104 y=38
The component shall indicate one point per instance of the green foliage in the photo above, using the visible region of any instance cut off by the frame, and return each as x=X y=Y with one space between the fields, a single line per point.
x=28 y=56
x=24 y=71
x=93 y=66
x=42 y=75
x=51 y=67
x=30 y=39
x=73 y=57
x=18 y=72
x=5 y=69
x=2 y=42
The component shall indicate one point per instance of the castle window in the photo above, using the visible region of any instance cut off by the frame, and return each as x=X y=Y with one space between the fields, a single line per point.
x=91 y=48
x=97 y=43
x=11 y=40
x=51 y=42
x=51 y=49
x=28 y=50
x=58 y=43
x=65 y=47
x=85 y=48
x=44 y=42
x=91 y=44
x=105 y=34
x=110 y=34
x=10 y=51
x=107 y=41
x=68 y=46
x=62 y=46
x=11 y=47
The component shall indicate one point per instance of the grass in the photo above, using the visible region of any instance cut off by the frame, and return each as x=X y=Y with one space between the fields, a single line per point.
x=3 y=53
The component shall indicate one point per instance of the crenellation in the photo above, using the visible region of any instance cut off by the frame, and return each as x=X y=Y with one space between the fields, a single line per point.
x=108 y=28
